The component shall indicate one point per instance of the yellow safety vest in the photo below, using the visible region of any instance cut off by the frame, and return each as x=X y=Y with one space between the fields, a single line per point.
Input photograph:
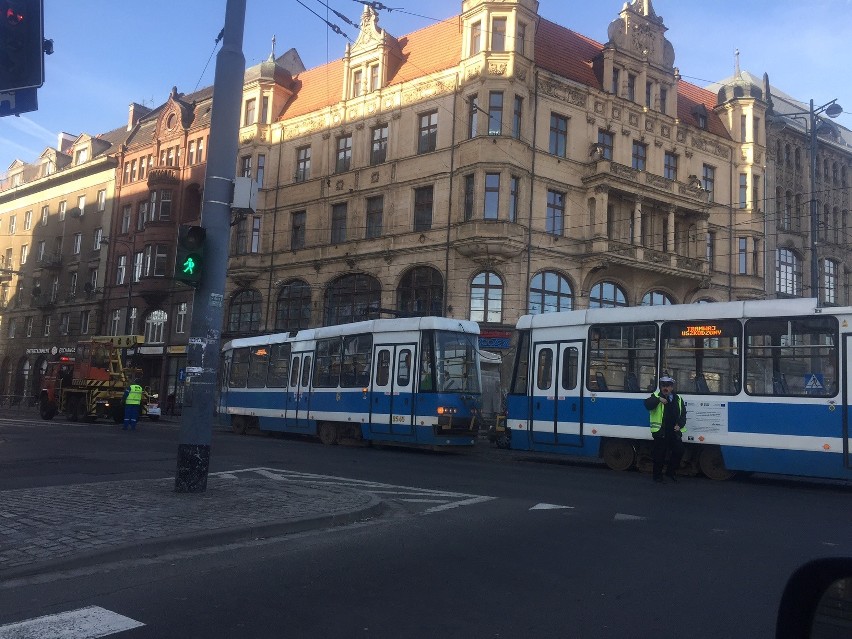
x=135 y=395
x=657 y=414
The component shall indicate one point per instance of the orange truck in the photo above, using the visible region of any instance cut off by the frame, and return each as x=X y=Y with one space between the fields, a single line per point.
x=92 y=383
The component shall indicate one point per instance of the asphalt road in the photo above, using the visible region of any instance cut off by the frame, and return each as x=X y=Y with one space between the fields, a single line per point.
x=562 y=549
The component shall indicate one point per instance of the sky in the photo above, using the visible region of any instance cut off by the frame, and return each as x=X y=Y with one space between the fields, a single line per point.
x=110 y=53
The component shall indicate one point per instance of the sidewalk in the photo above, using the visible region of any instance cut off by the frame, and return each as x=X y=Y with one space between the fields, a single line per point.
x=62 y=526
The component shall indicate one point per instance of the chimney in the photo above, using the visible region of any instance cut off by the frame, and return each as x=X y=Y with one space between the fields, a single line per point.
x=64 y=142
x=136 y=111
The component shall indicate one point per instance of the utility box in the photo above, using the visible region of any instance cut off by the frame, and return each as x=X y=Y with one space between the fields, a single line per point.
x=245 y=194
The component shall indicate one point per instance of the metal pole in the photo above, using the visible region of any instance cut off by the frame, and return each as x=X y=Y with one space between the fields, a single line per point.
x=814 y=206
x=196 y=429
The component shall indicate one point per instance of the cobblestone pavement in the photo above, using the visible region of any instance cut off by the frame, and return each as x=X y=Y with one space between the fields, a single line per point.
x=53 y=525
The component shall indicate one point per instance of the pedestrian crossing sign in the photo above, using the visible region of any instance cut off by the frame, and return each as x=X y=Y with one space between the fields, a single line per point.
x=813 y=383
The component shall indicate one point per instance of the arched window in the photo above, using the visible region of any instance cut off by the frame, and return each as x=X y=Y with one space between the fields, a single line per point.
x=550 y=292
x=607 y=295
x=830 y=269
x=486 y=298
x=293 y=308
x=656 y=298
x=420 y=292
x=155 y=327
x=352 y=298
x=244 y=314
x=788 y=272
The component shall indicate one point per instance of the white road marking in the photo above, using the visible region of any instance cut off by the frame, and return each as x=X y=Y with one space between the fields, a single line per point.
x=84 y=623
x=549 y=507
x=623 y=517
x=456 y=504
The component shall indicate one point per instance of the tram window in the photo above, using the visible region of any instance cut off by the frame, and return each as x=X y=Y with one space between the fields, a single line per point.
x=355 y=372
x=294 y=372
x=403 y=368
x=544 y=369
x=704 y=357
x=383 y=368
x=258 y=363
x=279 y=365
x=519 y=380
x=239 y=368
x=427 y=364
x=327 y=365
x=621 y=357
x=796 y=357
x=306 y=371
x=570 y=359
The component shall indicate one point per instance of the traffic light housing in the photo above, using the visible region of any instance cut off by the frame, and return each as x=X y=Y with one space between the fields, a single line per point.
x=189 y=259
x=21 y=44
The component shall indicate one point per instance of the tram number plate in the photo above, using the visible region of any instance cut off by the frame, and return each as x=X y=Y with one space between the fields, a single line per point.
x=397 y=419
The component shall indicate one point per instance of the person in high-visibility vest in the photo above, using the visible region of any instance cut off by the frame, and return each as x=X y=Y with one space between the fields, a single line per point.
x=668 y=423
x=132 y=400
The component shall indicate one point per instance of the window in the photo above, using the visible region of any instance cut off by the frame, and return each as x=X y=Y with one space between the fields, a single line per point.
x=161 y=256
x=351 y=298
x=516 y=117
x=829 y=282
x=486 y=298
x=670 y=166
x=190 y=154
x=40 y=251
x=375 y=80
x=703 y=365
x=165 y=205
x=428 y=132
x=498 y=34
x=98 y=238
x=743 y=190
x=126 y=212
x=475 y=38
x=357 y=83
x=558 y=135
x=244 y=315
x=616 y=76
x=423 y=208
x=138 y=262
x=711 y=250
x=656 y=298
x=199 y=157
x=605 y=142
x=495 y=113
x=664 y=95
x=142 y=215
x=303 y=164
x=649 y=94
x=24 y=252
x=13 y=223
x=743 y=128
x=12 y=326
x=120 y=269
x=379 y=150
x=28 y=220
x=293 y=310
x=264 y=110
x=640 y=156
x=64 y=323
x=72 y=285
x=788 y=272
x=155 y=327
x=254 y=247
x=250 y=116
x=607 y=295
x=78 y=241
x=81 y=156
x=297 y=230
x=492 y=196
x=708 y=181
x=420 y=292
x=520 y=37
x=550 y=292
x=375 y=206
x=514 y=193
x=344 y=153
x=81 y=204
x=101 y=200
x=115 y=322
x=63 y=205
x=180 y=319
x=755 y=192
x=469 y=186
x=631 y=87
x=473 y=116
x=621 y=357
x=338 y=223
x=45 y=213
x=555 y=219
x=261 y=167
x=45 y=322
x=85 y=320
x=245 y=166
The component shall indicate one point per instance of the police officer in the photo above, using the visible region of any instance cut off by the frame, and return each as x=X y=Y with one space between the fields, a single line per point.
x=132 y=400
x=668 y=422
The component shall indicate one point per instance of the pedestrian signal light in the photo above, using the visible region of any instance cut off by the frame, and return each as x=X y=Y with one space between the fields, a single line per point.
x=21 y=44
x=189 y=260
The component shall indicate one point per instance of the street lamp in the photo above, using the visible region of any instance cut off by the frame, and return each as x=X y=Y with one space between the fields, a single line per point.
x=832 y=110
x=131 y=274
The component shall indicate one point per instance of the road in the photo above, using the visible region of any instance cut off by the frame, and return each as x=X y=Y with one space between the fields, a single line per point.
x=527 y=549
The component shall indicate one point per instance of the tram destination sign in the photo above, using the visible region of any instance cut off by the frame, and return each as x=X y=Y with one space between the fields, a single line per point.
x=701 y=330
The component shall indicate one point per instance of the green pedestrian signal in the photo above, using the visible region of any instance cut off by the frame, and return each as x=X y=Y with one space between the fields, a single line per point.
x=189 y=260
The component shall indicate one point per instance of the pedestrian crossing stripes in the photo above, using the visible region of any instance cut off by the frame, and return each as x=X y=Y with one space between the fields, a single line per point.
x=443 y=499
x=83 y=623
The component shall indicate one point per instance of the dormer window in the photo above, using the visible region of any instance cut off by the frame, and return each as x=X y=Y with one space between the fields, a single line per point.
x=700 y=113
x=375 y=83
x=475 y=38
x=81 y=156
x=498 y=34
x=357 y=82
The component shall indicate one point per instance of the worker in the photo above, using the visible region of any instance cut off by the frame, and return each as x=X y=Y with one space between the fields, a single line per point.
x=668 y=422
x=132 y=400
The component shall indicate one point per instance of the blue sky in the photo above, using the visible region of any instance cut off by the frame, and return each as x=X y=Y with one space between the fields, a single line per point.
x=110 y=53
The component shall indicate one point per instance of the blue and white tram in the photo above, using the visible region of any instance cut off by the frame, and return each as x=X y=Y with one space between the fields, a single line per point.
x=766 y=385
x=412 y=381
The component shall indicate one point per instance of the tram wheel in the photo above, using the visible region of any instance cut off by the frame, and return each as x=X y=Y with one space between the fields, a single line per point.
x=712 y=464
x=328 y=434
x=618 y=454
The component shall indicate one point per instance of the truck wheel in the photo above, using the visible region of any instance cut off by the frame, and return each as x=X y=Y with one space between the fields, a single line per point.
x=45 y=409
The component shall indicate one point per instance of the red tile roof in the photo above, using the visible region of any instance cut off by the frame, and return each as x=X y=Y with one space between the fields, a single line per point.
x=566 y=53
x=689 y=97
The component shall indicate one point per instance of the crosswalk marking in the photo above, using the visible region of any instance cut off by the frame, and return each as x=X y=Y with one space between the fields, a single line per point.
x=409 y=494
x=83 y=623
x=550 y=507
x=623 y=517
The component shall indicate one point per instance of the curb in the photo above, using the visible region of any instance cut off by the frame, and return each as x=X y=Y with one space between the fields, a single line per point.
x=153 y=547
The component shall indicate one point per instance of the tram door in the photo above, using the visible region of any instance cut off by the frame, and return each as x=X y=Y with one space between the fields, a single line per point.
x=557 y=394
x=392 y=408
x=847 y=399
x=298 y=397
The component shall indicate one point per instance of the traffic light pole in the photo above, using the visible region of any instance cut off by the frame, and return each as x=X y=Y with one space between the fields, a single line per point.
x=196 y=429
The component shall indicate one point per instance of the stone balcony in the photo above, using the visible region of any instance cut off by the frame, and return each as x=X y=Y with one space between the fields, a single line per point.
x=489 y=242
